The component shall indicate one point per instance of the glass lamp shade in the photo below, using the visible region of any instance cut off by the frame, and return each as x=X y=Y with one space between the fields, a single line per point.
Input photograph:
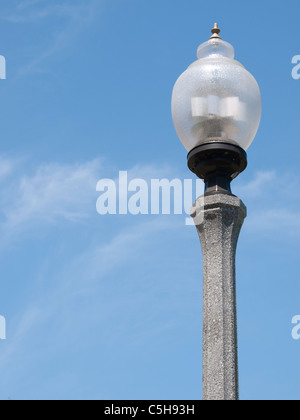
x=216 y=98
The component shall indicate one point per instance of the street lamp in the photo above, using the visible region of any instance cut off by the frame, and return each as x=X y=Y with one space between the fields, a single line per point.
x=216 y=108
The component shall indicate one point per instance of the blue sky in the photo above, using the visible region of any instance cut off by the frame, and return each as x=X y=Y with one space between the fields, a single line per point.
x=110 y=307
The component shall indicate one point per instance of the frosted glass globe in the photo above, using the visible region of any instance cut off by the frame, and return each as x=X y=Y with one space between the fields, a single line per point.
x=216 y=97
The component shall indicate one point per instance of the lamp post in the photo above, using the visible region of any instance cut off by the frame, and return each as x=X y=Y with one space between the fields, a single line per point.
x=216 y=108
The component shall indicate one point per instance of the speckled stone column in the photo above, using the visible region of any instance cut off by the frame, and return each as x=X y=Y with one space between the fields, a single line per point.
x=219 y=219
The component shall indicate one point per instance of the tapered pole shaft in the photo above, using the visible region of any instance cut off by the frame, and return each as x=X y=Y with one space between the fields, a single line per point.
x=219 y=218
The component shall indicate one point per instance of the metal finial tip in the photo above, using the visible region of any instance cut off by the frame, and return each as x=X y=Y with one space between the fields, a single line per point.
x=215 y=32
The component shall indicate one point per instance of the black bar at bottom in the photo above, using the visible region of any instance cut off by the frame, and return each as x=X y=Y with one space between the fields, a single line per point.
x=137 y=409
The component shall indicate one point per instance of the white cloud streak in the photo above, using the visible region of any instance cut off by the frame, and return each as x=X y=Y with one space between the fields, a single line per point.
x=64 y=21
x=77 y=11
x=272 y=204
x=258 y=185
x=53 y=193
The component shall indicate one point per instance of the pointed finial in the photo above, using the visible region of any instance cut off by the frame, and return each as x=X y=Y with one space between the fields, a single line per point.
x=215 y=32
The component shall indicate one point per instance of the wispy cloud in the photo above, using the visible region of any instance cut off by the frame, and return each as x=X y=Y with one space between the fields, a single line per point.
x=77 y=11
x=258 y=185
x=64 y=20
x=6 y=167
x=51 y=194
x=54 y=194
x=272 y=203
x=281 y=221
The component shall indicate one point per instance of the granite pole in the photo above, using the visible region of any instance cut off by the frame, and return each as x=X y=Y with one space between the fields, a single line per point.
x=219 y=218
